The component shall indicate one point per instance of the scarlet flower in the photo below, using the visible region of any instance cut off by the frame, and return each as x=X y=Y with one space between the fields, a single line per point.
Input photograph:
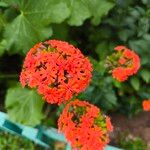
x=119 y=48
x=124 y=63
x=146 y=105
x=57 y=70
x=84 y=126
x=119 y=74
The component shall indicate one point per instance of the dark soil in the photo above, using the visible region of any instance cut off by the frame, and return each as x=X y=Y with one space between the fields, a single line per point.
x=138 y=126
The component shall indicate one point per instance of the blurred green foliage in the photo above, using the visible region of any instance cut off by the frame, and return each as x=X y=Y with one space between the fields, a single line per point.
x=11 y=142
x=96 y=27
x=128 y=142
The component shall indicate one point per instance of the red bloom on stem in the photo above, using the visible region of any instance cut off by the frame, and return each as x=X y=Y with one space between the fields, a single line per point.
x=85 y=126
x=119 y=48
x=119 y=74
x=146 y=105
x=57 y=69
x=123 y=63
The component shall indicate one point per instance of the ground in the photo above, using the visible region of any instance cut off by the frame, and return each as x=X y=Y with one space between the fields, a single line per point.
x=138 y=126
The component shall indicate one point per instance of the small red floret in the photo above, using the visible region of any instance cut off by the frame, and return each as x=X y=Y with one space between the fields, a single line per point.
x=146 y=105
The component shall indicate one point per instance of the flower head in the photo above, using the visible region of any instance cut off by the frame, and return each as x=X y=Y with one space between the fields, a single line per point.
x=57 y=70
x=146 y=105
x=123 y=63
x=85 y=126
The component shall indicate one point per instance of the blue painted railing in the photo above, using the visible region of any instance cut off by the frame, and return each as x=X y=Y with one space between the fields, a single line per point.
x=39 y=135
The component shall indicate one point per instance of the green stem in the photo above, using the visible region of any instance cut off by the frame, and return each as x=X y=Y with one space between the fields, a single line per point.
x=47 y=111
x=8 y=76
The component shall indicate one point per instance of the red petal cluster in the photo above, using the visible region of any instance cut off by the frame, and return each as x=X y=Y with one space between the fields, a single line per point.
x=128 y=64
x=85 y=126
x=146 y=105
x=57 y=69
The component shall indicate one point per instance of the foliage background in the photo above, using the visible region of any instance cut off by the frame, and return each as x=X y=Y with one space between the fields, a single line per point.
x=96 y=27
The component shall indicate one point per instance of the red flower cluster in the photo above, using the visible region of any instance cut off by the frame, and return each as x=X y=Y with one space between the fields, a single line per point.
x=85 y=126
x=57 y=69
x=128 y=63
x=146 y=105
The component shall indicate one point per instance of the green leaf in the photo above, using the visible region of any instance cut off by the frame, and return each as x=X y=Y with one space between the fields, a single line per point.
x=146 y=1
x=24 y=34
x=99 y=8
x=3 y=4
x=117 y=83
x=31 y=25
x=134 y=13
x=145 y=75
x=2 y=21
x=101 y=49
x=79 y=12
x=3 y=45
x=24 y=106
x=142 y=47
x=125 y=34
x=84 y=9
x=111 y=98
x=135 y=82
x=45 y=11
x=143 y=26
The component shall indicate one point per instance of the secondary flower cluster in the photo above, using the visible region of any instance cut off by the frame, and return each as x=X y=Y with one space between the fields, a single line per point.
x=85 y=126
x=123 y=63
x=146 y=105
x=57 y=69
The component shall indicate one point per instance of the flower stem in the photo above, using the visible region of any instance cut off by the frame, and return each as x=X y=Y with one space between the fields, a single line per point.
x=3 y=76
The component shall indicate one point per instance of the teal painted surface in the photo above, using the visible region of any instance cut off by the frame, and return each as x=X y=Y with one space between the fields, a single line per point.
x=3 y=116
x=54 y=134
x=40 y=135
x=108 y=147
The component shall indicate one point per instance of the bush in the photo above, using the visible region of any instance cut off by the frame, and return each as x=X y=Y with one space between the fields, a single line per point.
x=12 y=142
x=97 y=26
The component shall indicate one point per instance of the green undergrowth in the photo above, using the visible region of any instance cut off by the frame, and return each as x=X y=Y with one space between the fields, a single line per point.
x=129 y=142
x=12 y=142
